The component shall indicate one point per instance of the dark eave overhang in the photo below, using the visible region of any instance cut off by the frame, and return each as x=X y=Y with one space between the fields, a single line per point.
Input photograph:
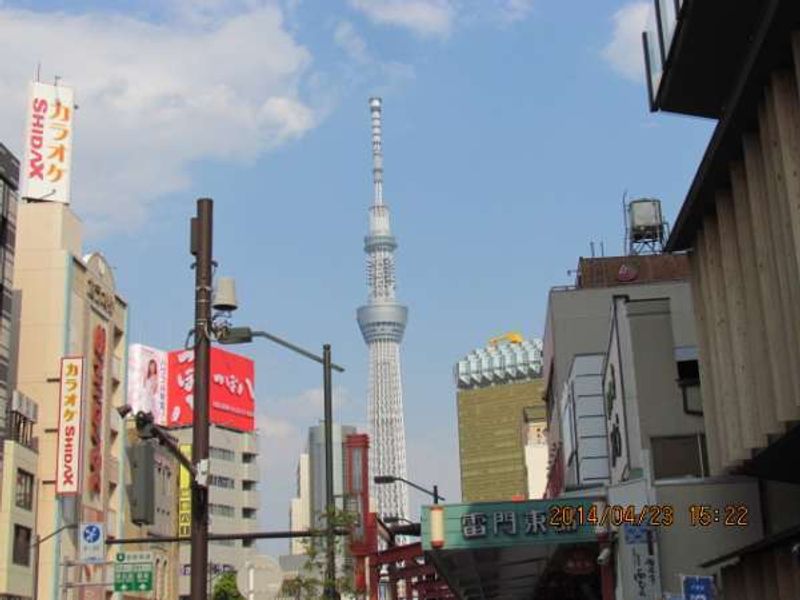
x=770 y=48
x=702 y=60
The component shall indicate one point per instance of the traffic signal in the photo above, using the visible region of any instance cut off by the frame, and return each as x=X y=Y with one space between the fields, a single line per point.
x=142 y=491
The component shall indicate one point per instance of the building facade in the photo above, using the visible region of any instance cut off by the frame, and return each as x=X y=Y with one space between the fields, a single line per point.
x=582 y=420
x=495 y=386
x=233 y=499
x=19 y=477
x=740 y=223
x=9 y=182
x=69 y=306
x=300 y=509
x=316 y=470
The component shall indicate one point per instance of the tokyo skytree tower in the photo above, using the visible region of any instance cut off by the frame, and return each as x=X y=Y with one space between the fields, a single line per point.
x=382 y=321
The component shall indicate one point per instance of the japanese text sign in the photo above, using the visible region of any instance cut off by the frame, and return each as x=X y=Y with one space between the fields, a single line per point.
x=484 y=525
x=46 y=170
x=68 y=457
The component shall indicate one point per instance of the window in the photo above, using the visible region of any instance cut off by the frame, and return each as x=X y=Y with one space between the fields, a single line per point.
x=249 y=485
x=248 y=513
x=222 y=453
x=679 y=456
x=223 y=510
x=222 y=482
x=248 y=457
x=22 y=546
x=24 y=489
x=689 y=382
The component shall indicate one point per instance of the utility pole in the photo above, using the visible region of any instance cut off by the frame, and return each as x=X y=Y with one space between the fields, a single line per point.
x=330 y=548
x=201 y=248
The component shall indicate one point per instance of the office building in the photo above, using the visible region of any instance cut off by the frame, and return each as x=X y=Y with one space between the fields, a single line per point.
x=9 y=182
x=738 y=64
x=316 y=469
x=18 y=413
x=495 y=386
x=70 y=307
x=300 y=509
x=577 y=324
x=654 y=415
x=233 y=499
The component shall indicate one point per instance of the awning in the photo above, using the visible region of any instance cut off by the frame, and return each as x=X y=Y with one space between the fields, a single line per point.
x=515 y=550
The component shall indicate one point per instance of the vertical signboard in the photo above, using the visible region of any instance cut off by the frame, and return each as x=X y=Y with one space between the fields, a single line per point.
x=232 y=389
x=147 y=381
x=185 y=495
x=96 y=406
x=46 y=170
x=614 y=399
x=68 y=453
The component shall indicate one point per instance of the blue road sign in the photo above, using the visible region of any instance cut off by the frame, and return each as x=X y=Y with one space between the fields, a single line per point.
x=698 y=587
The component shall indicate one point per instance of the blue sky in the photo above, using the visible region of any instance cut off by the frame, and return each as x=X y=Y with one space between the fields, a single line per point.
x=511 y=130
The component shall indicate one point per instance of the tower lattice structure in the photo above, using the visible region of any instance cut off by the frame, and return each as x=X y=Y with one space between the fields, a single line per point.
x=383 y=321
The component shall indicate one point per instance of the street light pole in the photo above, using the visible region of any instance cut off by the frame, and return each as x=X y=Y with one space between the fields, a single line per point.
x=330 y=507
x=201 y=247
x=38 y=542
x=243 y=335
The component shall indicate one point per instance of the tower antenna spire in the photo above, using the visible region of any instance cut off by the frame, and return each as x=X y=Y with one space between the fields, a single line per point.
x=377 y=151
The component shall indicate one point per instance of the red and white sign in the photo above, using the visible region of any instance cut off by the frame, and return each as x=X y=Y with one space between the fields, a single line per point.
x=70 y=406
x=98 y=390
x=46 y=170
x=232 y=389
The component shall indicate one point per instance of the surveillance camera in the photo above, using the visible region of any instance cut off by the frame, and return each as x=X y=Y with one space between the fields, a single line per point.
x=124 y=410
x=604 y=557
x=796 y=550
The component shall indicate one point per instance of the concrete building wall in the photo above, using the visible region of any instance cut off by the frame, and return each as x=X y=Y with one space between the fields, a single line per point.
x=316 y=469
x=18 y=521
x=491 y=446
x=643 y=398
x=746 y=282
x=583 y=423
x=66 y=301
x=683 y=547
x=300 y=511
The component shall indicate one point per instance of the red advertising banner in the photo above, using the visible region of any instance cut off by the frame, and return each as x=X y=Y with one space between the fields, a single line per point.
x=232 y=389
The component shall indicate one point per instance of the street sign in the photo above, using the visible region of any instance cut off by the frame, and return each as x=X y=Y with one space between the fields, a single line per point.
x=133 y=572
x=92 y=543
x=697 y=587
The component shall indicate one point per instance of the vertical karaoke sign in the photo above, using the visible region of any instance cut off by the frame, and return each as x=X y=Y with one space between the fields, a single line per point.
x=70 y=415
x=47 y=168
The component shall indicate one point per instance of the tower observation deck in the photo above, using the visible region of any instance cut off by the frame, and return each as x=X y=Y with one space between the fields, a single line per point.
x=382 y=322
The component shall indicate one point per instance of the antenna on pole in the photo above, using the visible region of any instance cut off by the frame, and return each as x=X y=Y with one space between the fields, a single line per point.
x=377 y=150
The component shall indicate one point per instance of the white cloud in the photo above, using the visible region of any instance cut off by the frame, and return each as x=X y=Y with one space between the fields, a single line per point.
x=349 y=40
x=514 y=10
x=440 y=17
x=425 y=17
x=624 y=51
x=156 y=98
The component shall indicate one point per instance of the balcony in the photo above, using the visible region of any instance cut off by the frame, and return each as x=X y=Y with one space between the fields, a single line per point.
x=694 y=51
